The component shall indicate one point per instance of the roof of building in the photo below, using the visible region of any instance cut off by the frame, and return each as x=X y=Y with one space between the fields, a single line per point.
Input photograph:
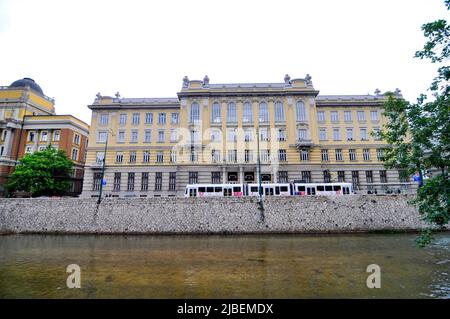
x=149 y=100
x=349 y=97
x=27 y=82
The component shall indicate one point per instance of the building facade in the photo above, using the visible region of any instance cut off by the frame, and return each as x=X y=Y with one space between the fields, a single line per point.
x=28 y=123
x=211 y=133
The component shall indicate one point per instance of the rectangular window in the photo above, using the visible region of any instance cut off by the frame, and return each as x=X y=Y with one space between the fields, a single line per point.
x=173 y=156
x=336 y=134
x=104 y=119
x=135 y=119
x=383 y=177
x=349 y=134
x=159 y=157
x=144 y=181
x=173 y=135
x=282 y=155
x=30 y=136
x=146 y=156
x=161 y=136
x=279 y=112
x=119 y=157
x=130 y=182
x=283 y=177
x=215 y=177
x=231 y=135
x=355 y=179
x=322 y=134
x=341 y=176
x=363 y=134
x=117 y=178
x=325 y=155
x=232 y=156
x=320 y=116
x=361 y=116
x=264 y=134
x=56 y=136
x=121 y=137
x=193 y=177
x=172 y=181
x=102 y=135
x=148 y=118
x=194 y=115
x=374 y=115
x=352 y=154
x=133 y=157
x=248 y=113
x=334 y=116
x=74 y=154
x=76 y=139
x=44 y=136
x=175 y=118
x=99 y=157
x=302 y=134
x=347 y=116
x=380 y=153
x=147 y=136
x=162 y=118
x=158 y=181
x=215 y=136
x=28 y=149
x=306 y=176
x=248 y=156
x=265 y=156
x=123 y=119
x=231 y=113
x=134 y=136
x=248 y=135
x=366 y=154
x=338 y=153
x=97 y=181
x=326 y=176
x=281 y=135
x=369 y=177
x=304 y=154
x=215 y=156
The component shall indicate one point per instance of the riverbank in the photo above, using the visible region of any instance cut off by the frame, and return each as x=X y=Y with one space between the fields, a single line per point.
x=342 y=214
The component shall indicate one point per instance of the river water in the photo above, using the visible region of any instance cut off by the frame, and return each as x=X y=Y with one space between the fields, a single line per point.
x=257 y=266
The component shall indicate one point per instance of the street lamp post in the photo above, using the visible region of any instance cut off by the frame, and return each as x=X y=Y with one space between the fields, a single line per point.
x=260 y=202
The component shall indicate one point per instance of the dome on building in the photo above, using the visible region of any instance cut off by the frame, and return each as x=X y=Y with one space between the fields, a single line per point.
x=27 y=82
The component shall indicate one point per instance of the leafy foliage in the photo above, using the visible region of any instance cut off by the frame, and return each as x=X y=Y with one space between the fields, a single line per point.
x=419 y=133
x=43 y=173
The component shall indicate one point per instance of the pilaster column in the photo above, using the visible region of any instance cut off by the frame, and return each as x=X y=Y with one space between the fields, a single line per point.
x=8 y=142
x=224 y=174
x=241 y=175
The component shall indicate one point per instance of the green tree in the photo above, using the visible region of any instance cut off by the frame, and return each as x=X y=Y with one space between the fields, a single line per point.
x=419 y=133
x=43 y=173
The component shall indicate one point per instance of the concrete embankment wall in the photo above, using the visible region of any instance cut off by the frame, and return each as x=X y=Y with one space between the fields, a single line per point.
x=209 y=215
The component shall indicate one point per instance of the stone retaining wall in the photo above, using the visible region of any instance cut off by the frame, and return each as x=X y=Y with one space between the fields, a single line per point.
x=209 y=215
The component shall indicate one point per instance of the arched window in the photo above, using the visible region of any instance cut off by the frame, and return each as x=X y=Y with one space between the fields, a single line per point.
x=301 y=111
x=263 y=112
x=279 y=112
x=231 y=113
x=247 y=116
x=215 y=113
x=194 y=116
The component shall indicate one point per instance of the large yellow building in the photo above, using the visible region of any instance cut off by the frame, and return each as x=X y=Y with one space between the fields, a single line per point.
x=210 y=134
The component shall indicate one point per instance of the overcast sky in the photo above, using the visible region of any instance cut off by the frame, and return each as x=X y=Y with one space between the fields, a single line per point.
x=74 y=49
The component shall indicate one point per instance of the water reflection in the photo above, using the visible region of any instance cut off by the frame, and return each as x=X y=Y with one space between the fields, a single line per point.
x=279 y=266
